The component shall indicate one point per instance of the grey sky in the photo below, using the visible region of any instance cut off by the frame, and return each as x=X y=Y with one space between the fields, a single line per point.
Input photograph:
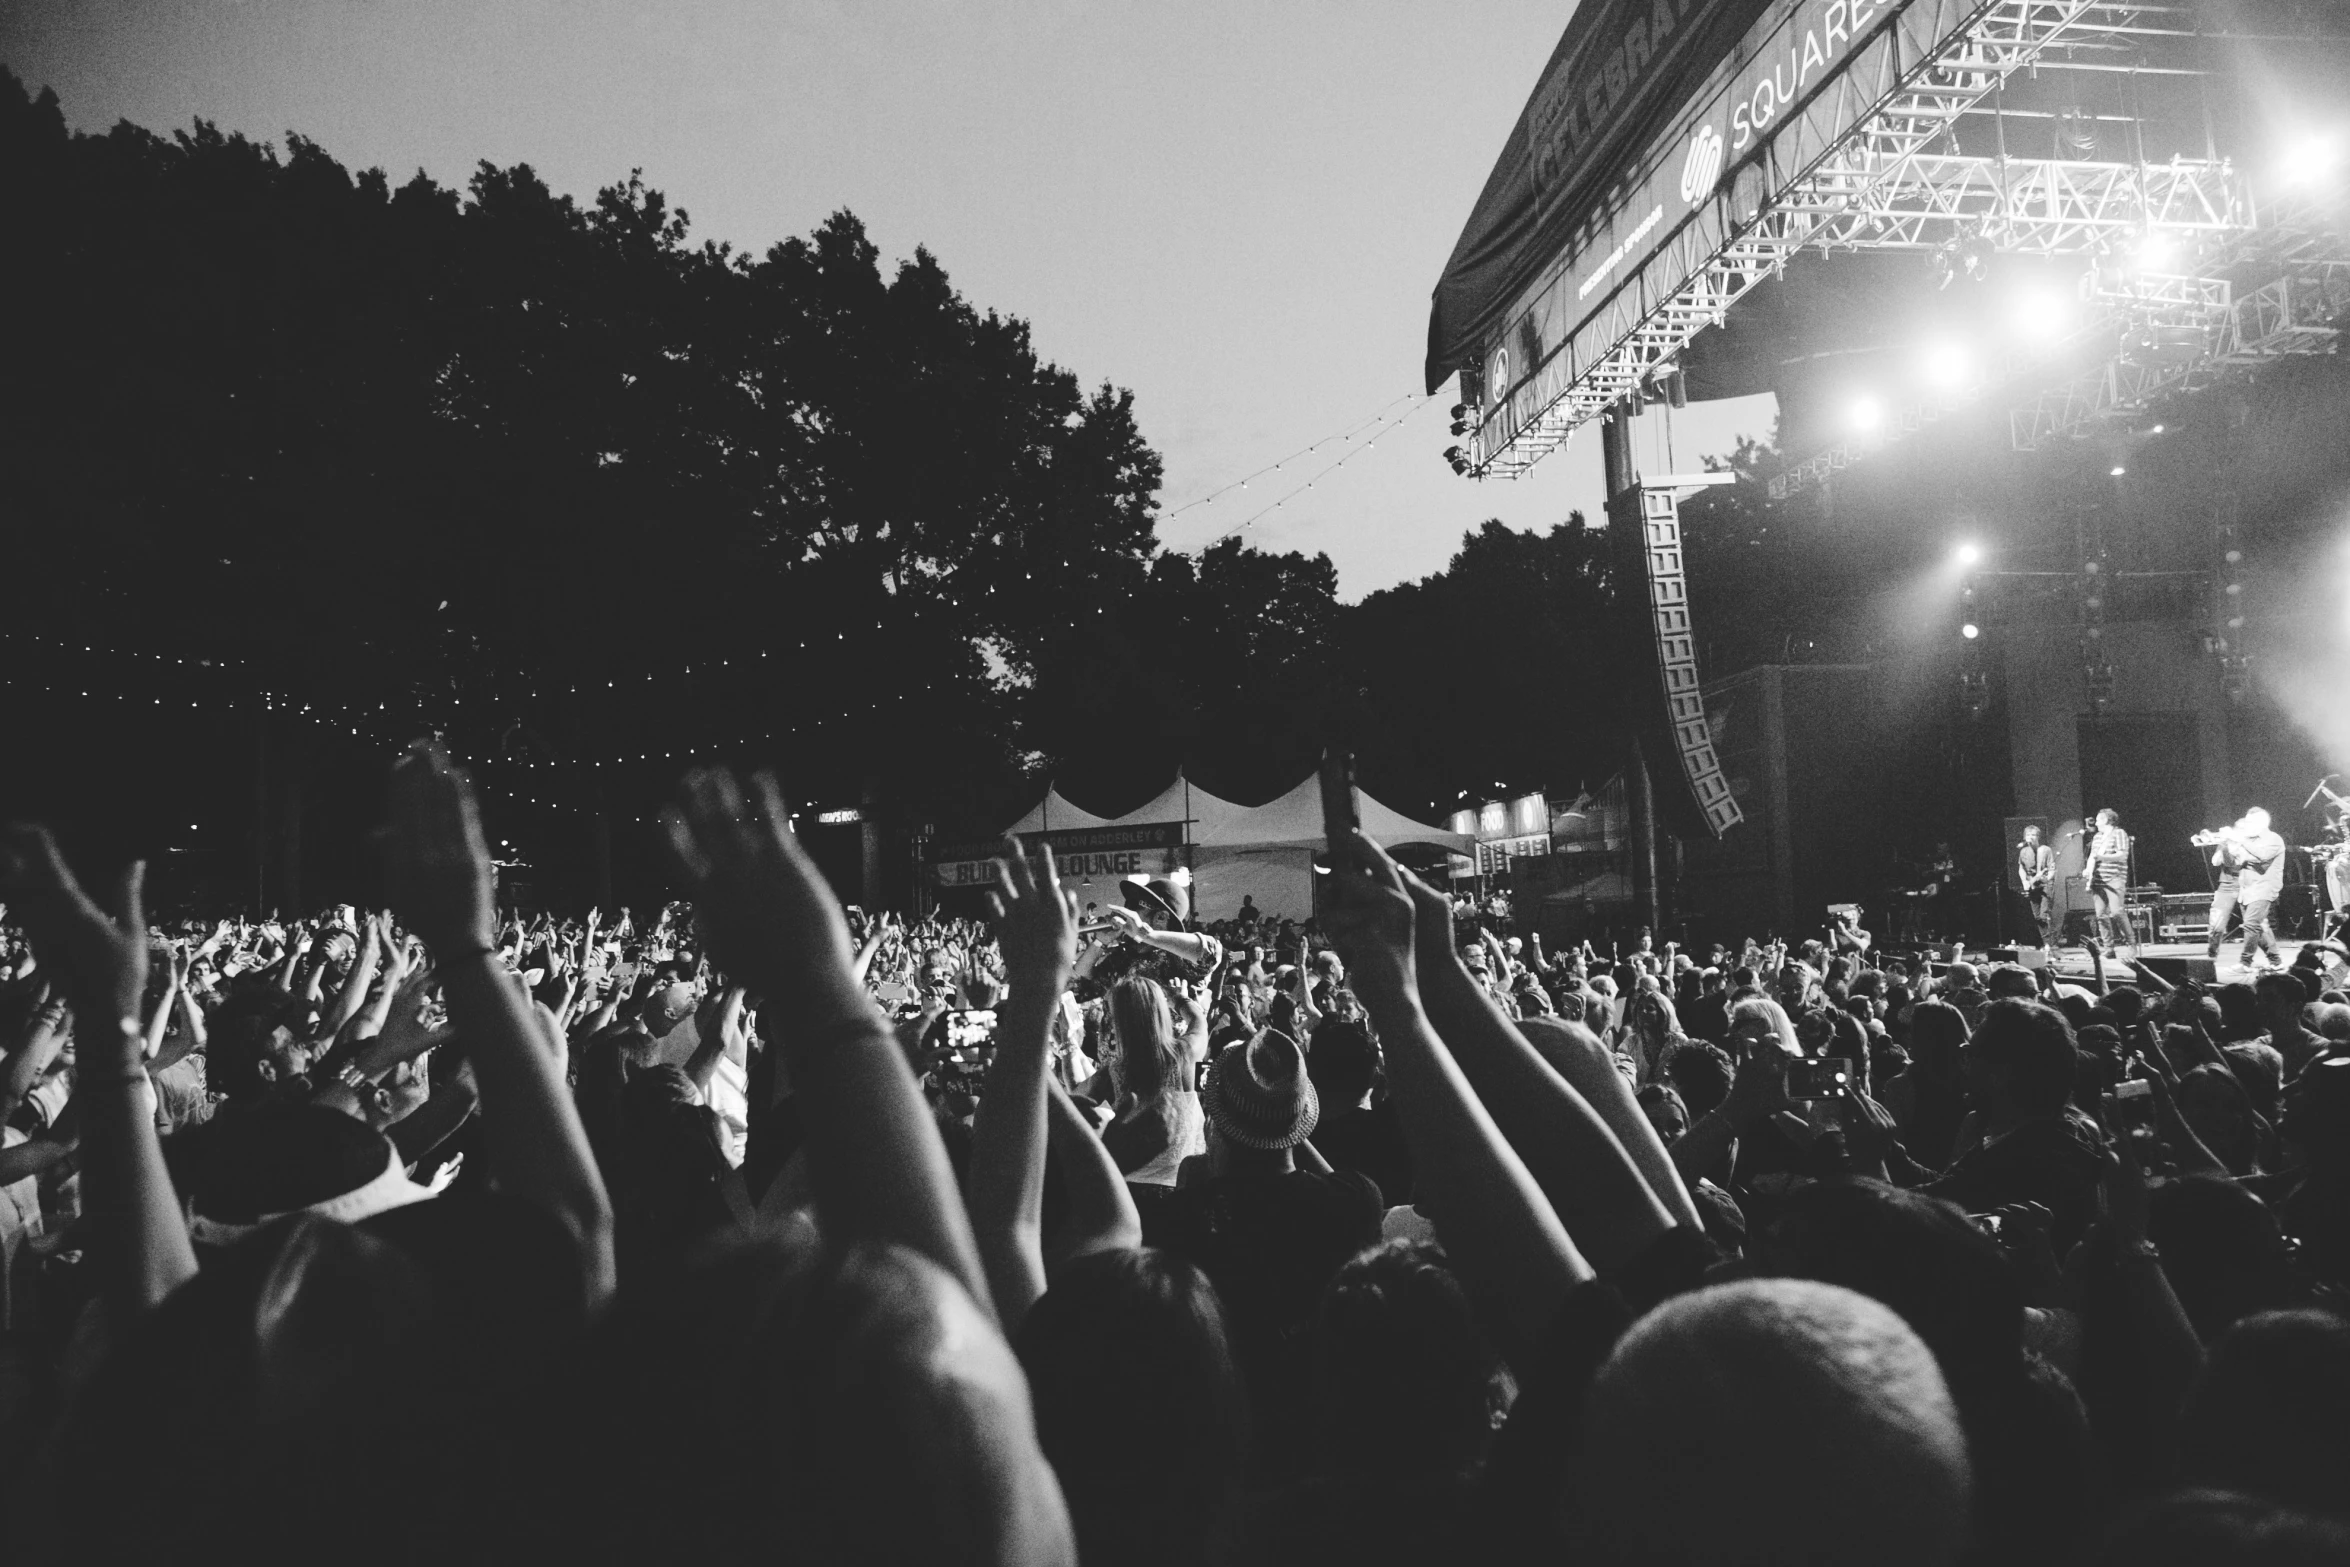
x=1236 y=209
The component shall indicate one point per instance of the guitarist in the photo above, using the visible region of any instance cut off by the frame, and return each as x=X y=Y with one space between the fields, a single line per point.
x=2035 y=871
x=2250 y=860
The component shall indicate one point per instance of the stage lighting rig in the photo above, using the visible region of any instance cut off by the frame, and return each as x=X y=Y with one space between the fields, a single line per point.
x=1974 y=690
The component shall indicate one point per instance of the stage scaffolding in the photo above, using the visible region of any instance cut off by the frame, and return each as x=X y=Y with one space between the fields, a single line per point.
x=1870 y=161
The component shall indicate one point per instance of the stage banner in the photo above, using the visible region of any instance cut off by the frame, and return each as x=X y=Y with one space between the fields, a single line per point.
x=1624 y=70
x=1706 y=170
x=1083 y=854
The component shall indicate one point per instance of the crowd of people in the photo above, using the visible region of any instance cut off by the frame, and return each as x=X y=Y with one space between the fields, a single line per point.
x=761 y=1227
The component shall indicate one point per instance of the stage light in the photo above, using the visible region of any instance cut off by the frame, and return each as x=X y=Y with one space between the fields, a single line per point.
x=1867 y=414
x=2039 y=312
x=2154 y=253
x=1945 y=364
x=2118 y=470
x=2311 y=159
x=1970 y=631
x=1970 y=553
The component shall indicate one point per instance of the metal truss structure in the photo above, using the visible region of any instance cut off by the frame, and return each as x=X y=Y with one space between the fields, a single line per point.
x=1830 y=171
x=2164 y=347
x=2152 y=335
x=1869 y=164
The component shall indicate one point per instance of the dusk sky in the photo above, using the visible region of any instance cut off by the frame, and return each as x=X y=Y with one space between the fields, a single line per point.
x=1237 y=210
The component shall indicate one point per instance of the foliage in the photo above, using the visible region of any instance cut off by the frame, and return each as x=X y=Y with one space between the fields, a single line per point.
x=554 y=480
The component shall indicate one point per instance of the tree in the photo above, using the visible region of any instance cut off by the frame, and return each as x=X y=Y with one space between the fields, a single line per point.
x=547 y=477
x=1507 y=670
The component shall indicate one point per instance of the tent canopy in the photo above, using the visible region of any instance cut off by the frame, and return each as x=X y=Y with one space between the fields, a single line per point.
x=1294 y=821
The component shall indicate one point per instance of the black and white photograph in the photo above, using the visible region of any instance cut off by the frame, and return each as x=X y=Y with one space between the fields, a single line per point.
x=1094 y=784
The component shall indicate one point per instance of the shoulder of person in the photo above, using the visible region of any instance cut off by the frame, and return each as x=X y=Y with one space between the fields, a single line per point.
x=1362 y=1190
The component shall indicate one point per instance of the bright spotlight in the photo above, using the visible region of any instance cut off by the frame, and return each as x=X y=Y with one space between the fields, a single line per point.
x=2119 y=470
x=1945 y=364
x=1970 y=631
x=2311 y=159
x=2154 y=253
x=1867 y=414
x=1970 y=554
x=2040 y=312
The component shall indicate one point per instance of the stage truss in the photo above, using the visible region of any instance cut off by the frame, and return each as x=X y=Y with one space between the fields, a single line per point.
x=1869 y=166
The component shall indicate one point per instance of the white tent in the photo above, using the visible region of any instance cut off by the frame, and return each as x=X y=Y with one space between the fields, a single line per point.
x=1260 y=852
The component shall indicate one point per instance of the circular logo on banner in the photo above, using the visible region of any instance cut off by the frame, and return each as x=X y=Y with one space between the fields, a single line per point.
x=1704 y=165
x=1497 y=375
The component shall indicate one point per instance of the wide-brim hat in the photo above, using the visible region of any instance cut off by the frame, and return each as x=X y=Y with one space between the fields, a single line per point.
x=1154 y=897
x=1258 y=1094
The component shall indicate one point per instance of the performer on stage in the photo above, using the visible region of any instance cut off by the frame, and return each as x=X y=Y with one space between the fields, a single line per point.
x=2250 y=861
x=2035 y=870
x=2109 y=882
x=2333 y=856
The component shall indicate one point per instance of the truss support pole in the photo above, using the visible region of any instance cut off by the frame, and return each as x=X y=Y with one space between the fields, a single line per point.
x=1623 y=505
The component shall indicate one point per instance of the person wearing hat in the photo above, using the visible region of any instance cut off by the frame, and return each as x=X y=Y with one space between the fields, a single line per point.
x=1154 y=938
x=1270 y=1224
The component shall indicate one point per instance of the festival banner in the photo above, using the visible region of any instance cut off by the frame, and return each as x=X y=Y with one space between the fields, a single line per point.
x=1083 y=854
x=1695 y=183
x=1624 y=70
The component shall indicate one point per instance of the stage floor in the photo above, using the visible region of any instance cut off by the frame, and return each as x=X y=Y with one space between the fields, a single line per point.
x=2073 y=962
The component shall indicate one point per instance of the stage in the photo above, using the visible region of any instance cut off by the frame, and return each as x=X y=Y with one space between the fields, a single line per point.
x=2073 y=963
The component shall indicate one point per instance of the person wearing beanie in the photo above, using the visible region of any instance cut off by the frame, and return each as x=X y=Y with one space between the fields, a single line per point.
x=1270 y=1223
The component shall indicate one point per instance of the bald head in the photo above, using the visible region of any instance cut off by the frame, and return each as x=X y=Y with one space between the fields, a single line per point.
x=1776 y=1420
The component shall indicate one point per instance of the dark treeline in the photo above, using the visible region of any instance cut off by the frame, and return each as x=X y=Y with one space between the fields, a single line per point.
x=567 y=486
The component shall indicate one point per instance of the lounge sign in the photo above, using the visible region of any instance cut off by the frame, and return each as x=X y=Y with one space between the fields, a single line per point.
x=1083 y=854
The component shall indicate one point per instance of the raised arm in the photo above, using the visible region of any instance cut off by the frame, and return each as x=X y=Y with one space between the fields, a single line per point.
x=439 y=871
x=863 y=963
x=46 y=1030
x=723 y=1031
x=1039 y=938
x=875 y=1162
x=139 y=1238
x=1610 y=1203
x=1102 y=1215
x=1497 y=1224
x=159 y=1020
x=191 y=1036
x=353 y=995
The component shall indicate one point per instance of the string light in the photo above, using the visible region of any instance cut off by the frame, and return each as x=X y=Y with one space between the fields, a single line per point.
x=1347 y=434
x=1395 y=422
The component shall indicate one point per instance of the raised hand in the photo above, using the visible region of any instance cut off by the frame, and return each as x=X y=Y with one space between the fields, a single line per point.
x=138 y=1233
x=763 y=908
x=1036 y=921
x=1128 y=922
x=438 y=864
x=1372 y=921
x=101 y=953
